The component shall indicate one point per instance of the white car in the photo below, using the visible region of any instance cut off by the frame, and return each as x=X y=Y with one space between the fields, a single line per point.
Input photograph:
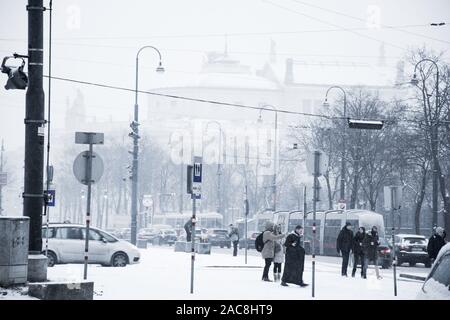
x=437 y=284
x=66 y=244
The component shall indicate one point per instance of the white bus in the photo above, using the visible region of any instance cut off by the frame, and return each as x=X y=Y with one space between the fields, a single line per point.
x=178 y=220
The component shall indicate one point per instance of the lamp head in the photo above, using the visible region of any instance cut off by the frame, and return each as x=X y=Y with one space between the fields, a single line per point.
x=160 y=68
x=414 y=80
x=325 y=104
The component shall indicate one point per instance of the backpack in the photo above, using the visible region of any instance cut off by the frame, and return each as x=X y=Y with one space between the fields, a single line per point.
x=259 y=243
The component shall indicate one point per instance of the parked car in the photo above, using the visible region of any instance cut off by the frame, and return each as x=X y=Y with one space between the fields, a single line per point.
x=411 y=248
x=219 y=237
x=385 y=254
x=437 y=283
x=66 y=243
x=250 y=240
x=167 y=236
x=201 y=234
x=124 y=233
x=148 y=234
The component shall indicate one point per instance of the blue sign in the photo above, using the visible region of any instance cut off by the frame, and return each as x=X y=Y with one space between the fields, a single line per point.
x=197 y=169
x=51 y=198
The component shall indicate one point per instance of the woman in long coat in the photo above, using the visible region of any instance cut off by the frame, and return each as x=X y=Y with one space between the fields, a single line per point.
x=294 y=259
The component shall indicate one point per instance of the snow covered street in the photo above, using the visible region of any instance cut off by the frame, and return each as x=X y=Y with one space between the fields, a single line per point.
x=165 y=274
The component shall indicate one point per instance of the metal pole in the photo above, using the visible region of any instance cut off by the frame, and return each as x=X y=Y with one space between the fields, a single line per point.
x=275 y=163
x=304 y=215
x=316 y=174
x=1 y=171
x=193 y=242
x=135 y=165
x=394 y=269
x=343 y=150
x=34 y=120
x=435 y=154
x=88 y=206
x=181 y=175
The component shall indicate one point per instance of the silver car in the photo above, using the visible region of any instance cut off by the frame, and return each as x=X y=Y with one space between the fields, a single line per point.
x=437 y=284
x=66 y=244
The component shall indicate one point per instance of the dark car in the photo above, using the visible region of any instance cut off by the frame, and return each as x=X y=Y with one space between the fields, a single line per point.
x=384 y=254
x=250 y=241
x=167 y=236
x=219 y=237
x=411 y=248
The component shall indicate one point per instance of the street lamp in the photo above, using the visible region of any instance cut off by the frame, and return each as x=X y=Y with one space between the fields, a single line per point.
x=219 y=170
x=434 y=136
x=275 y=152
x=326 y=104
x=135 y=135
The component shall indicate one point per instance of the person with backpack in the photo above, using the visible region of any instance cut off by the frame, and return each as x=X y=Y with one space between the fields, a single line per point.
x=268 y=238
x=278 y=259
x=344 y=245
x=234 y=237
x=295 y=259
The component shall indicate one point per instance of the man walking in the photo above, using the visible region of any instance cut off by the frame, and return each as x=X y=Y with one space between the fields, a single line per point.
x=358 y=252
x=295 y=259
x=234 y=237
x=435 y=243
x=344 y=245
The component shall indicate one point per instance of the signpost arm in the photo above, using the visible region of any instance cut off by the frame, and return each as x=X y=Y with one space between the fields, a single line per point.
x=88 y=208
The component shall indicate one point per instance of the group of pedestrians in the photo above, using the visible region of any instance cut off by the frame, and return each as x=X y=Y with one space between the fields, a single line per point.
x=290 y=252
x=363 y=245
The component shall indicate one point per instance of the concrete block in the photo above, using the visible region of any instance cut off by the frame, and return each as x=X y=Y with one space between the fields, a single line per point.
x=203 y=248
x=83 y=290
x=182 y=246
x=37 y=268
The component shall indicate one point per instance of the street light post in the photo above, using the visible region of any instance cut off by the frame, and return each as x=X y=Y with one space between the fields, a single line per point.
x=434 y=137
x=343 y=167
x=219 y=169
x=275 y=156
x=135 y=135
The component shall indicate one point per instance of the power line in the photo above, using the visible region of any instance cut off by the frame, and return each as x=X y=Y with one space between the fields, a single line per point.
x=332 y=24
x=396 y=28
x=221 y=103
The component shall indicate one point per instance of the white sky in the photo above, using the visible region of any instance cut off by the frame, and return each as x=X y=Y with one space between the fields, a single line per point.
x=100 y=43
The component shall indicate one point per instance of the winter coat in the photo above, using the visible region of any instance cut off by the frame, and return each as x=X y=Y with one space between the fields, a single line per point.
x=269 y=239
x=370 y=245
x=234 y=235
x=435 y=243
x=295 y=260
x=358 y=243
x=344 y=240
x=279 y=252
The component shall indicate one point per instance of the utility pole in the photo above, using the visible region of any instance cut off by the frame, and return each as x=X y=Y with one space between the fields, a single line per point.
x=317 y=155
x=2 y=175
x=34 y=124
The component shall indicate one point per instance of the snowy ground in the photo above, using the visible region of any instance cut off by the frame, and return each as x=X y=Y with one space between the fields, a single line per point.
x=165 y=274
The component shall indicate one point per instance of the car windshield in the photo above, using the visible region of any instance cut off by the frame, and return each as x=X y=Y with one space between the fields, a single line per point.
x=169 y=231
x=415 y=241
x=220 y=231
x=383 y=242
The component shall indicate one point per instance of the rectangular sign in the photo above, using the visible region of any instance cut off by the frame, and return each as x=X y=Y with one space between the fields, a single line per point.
x=51 y=198
x=197 y=177
x=89 y=137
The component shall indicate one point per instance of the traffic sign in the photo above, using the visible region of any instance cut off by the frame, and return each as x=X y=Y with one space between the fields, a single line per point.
x=51 y=198
x=80 y=167
x=342 y=205
x=197 y=169
x=147 y=200
x=323 y=163
x=89 y=138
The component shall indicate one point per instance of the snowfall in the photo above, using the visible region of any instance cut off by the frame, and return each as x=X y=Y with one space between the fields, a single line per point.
x=164 y=274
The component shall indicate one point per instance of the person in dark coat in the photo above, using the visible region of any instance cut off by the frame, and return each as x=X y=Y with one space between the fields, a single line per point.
x=294 y=259
x=435 y=243
x=188 y=229
x=370 y=248
x=234 y=237
x=358 y=253
x=344 y=245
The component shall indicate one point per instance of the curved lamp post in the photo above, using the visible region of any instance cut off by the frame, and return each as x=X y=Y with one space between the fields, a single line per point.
x=434 y=136
x=275 y=152
x=326 y=104
x=135 y=135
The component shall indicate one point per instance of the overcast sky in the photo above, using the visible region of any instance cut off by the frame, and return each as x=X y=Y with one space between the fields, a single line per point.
x=97 y=41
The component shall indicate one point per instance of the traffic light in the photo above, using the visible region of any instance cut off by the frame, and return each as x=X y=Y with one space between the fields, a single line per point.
x=17 y=78
x=365 y=124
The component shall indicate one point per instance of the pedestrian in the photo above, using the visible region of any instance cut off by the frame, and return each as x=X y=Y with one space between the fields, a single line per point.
x=371 y=242
x=358 y=252
x=344 y=245
x=295 y=259
x=435 y=243
x=278 y=259
x=188 y=229
x=234 y=237
x=268 y=251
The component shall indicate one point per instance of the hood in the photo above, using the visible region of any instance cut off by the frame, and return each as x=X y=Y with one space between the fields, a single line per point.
x=269 y=225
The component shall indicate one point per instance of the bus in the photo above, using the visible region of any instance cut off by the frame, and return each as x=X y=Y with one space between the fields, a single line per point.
x=208 y=220
x=328 y=225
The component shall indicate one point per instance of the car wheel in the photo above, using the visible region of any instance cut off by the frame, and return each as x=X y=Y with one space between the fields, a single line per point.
x=228 y=246
x=399 y=262
x=221 y=246
x=51 y=259
x=412 y=264
x=119 y=260
x=428 y=264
